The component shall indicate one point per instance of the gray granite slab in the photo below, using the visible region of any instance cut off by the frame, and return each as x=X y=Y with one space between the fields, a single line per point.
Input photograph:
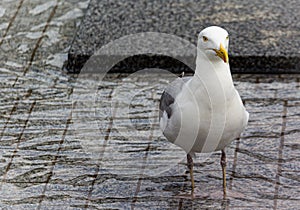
x=264 y=35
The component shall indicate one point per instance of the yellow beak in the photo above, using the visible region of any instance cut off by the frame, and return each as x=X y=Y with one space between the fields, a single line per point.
x=222 y=53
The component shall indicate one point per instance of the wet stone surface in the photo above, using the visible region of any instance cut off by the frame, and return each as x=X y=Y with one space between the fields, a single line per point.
x=93 y=142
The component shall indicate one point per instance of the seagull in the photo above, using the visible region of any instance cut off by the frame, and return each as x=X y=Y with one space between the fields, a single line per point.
x=204 y=113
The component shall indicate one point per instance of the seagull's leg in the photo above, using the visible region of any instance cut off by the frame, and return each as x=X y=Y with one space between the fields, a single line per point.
x=223 y=164
x=229 y=193
x=190 y=165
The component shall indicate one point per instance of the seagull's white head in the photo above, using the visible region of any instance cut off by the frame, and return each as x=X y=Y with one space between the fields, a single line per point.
x=213 y=42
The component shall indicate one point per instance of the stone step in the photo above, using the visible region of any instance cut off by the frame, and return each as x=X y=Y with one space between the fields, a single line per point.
x=264 y=36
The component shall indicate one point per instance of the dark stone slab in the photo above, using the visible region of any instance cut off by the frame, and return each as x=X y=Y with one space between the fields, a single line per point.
x=264 y=35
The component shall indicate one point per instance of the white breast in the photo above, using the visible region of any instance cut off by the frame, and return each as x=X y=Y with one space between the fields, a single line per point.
x=190 y=126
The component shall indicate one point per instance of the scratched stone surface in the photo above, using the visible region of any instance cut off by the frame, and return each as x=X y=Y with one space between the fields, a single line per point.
x=92 y=141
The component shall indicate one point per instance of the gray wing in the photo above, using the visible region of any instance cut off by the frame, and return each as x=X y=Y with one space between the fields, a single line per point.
x=169 y=95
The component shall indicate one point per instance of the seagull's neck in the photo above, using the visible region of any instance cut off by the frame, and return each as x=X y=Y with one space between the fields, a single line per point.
x=214 y=75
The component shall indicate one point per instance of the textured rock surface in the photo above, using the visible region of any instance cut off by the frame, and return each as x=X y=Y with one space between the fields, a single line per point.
x=264 y=35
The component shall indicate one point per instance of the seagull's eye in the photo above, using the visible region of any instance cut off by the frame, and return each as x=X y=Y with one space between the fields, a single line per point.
x=205 y=39
x=227 y=37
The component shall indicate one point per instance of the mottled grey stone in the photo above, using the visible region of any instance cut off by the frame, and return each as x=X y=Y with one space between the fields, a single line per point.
x=264 y=35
